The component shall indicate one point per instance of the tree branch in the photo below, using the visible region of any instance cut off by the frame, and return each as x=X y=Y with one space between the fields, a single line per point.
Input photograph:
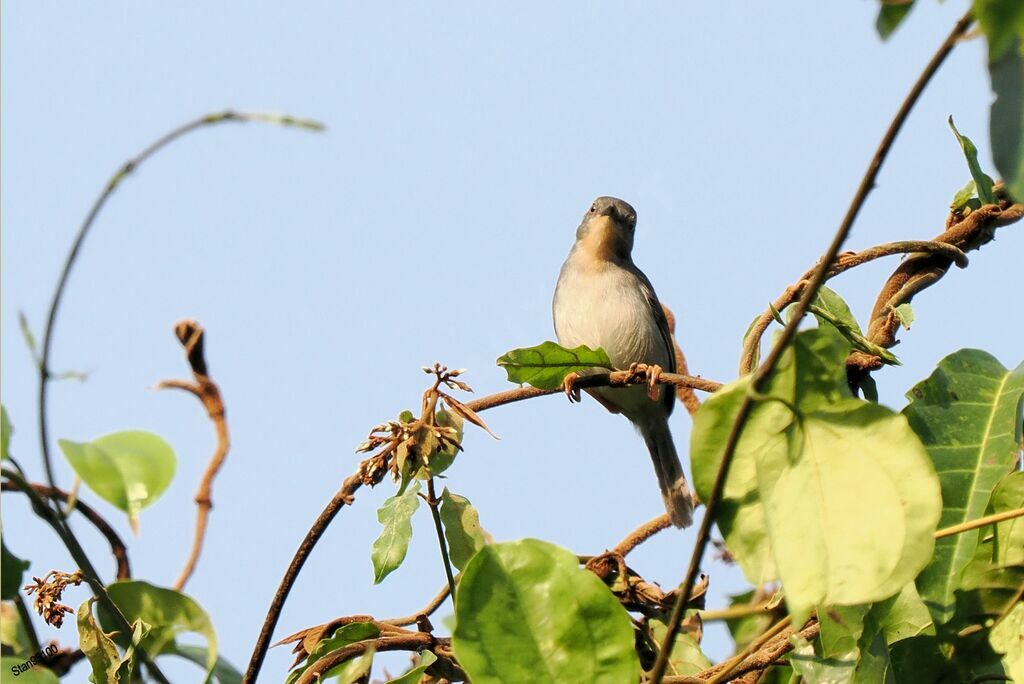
x=117 y=547
x=191 y=335
x=432 y=504
x=761 y=375
x=416 y=641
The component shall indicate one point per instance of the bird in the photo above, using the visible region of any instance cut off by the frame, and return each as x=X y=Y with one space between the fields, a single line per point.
x=602 y=300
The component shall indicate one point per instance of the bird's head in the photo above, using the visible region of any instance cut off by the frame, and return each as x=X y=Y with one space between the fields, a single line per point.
x=606 y=231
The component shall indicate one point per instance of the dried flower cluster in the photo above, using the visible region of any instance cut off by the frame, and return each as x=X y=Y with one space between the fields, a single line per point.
x=48 y=594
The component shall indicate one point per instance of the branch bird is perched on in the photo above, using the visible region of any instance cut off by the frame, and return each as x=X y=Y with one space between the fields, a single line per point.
x=603 y=300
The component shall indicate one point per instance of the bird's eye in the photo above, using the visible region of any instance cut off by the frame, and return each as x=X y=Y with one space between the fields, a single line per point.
x=593 y=207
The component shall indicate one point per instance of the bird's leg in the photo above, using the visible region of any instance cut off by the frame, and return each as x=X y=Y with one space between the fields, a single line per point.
x=653 y=375
x=569 y=385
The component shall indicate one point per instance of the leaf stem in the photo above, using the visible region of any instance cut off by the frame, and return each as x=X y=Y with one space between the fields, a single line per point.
x=436 y=515
x=761 y=375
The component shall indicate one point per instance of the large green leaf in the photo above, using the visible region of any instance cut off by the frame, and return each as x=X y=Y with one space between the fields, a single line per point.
x=546 y=365
x=967 y=415
x=528 y=613
x=166 y=611
x=982 y=182
x=129 y=469
x=1002 y=21
x=851 y=502
x=461 y=528
x=391 y=546
x=1006 y=118
x=342 y=637
x=12 y=569
x=31 y=674
x=1006 y=638
x=833 y=495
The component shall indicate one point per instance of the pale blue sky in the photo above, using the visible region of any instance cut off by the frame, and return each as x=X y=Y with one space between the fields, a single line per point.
x=428 y=223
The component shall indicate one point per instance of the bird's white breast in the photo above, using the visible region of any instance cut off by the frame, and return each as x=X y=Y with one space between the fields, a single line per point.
x=604 y=306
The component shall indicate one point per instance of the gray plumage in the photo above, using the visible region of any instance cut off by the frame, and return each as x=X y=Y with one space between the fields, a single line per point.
x=603 y=300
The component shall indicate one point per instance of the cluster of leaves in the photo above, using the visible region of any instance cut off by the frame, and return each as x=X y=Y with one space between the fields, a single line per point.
x=129 y=470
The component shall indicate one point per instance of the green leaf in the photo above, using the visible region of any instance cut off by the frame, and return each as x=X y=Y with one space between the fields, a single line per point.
x=1006 y=639
x=747 y=628
x=832 y=542
x=905 y=314
x=461 y=528
x=890 y=15
x=756 y=351
x=415 y=674
x=546 y=365
x=528 y=613
x=11 y=570
x=789 y=510
x=686 y=658
x=963 y=197
x=1002 y=22
x=966 y=414
x=355 y=670
x=6 y=430
x=903 y=616
x=167 y=612
x=12 y=632
x=342 y=637
x=1008 y=540
x=391 y=546
x=982 y=182
x=223 y=671
x=828 y=307
x=32 y=674
x=833 y=309
x=1006 y=118
x=128 y=469
x=98 y=647
x=987 y=595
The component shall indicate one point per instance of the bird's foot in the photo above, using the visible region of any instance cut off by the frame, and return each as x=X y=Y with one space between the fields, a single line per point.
x=653 y=375
x=569 y=385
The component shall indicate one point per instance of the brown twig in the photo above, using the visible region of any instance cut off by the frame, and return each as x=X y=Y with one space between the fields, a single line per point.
x=426 y=611
x=761 y=375
x=642 y=534
x=414 y=641
x=843 y=263
x=685 y=394
x=920 y=271
x=191 y=335
x=117 y=547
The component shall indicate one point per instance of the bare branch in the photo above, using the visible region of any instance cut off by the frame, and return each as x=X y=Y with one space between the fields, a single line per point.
x=191 y=335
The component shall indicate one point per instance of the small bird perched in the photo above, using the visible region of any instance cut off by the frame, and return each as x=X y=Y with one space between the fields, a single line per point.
x=603 y=300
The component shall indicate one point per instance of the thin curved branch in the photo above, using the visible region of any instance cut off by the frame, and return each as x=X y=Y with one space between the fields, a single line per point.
x=191 y=335
x=416 y=641
x=642 y=534
x=844 y=262
x=426 y=611
x=921 y=271
x=761 y=375
x=53 y=519
x=117 y=546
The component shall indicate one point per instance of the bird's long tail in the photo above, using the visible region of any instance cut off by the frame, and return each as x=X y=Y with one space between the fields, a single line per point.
x=674 y=489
